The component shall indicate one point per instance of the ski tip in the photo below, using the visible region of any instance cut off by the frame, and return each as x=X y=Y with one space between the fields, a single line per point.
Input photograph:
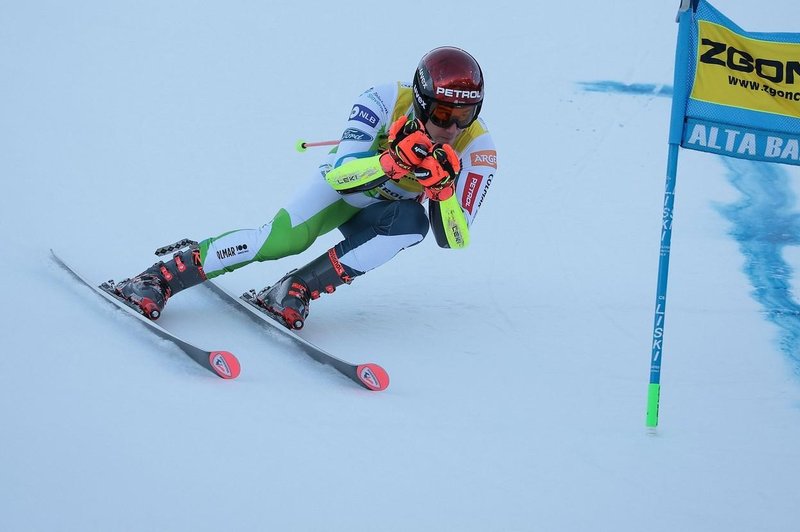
x=373 y=377
x=224 y=364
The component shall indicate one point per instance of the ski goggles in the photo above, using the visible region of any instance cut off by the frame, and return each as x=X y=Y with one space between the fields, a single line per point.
x=445 y=115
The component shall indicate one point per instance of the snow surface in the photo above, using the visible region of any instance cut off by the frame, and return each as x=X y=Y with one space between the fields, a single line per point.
x=519 y=366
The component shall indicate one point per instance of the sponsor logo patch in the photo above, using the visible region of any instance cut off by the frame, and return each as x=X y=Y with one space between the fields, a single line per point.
x=744 y=72
x=364 y=115
x=423 y=78
x=456 y=93
x=486 y=189
x=419 y=98
x=372 y=95
x=221 y=365
x=485 y=158
x=231 y=251
x=369 y=378
x=473 y=184
x=352 y=133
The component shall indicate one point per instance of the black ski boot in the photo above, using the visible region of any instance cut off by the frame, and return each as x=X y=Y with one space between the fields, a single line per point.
x=151 y=289
x=288 y=299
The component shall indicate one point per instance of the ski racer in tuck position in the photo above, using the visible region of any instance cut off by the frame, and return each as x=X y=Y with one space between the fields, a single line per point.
x=403 y=145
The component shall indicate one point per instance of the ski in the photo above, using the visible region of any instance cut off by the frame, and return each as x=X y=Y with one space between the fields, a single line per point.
x=221 y=363
x=371 y=376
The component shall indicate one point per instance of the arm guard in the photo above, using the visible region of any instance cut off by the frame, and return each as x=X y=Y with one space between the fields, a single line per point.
x=357 y=175
x=449 y=223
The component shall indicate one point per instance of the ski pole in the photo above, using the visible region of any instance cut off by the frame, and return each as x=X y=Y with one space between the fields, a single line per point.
x=303 y=145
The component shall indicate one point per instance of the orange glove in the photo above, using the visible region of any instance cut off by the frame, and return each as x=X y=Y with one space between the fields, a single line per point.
x=438 y=172
x=409 y=144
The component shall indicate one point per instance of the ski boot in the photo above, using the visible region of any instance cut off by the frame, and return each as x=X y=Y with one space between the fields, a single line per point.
x=289 y=298
x=151 y=289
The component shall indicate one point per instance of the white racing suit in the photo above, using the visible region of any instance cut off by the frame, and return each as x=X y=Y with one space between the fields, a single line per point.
x=377 y=223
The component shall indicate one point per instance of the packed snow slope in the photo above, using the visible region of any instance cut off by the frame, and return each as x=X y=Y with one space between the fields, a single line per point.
x=519 y=366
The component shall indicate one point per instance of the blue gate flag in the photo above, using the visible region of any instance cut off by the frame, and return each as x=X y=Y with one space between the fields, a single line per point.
x=736 y=93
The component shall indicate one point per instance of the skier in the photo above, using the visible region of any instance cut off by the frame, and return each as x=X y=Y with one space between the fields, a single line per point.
x=402 y=145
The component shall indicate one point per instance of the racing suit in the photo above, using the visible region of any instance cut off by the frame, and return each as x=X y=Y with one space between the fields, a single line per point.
x=376 y=223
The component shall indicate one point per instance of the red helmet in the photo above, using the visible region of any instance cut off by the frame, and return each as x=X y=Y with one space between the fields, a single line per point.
x=448 y=88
